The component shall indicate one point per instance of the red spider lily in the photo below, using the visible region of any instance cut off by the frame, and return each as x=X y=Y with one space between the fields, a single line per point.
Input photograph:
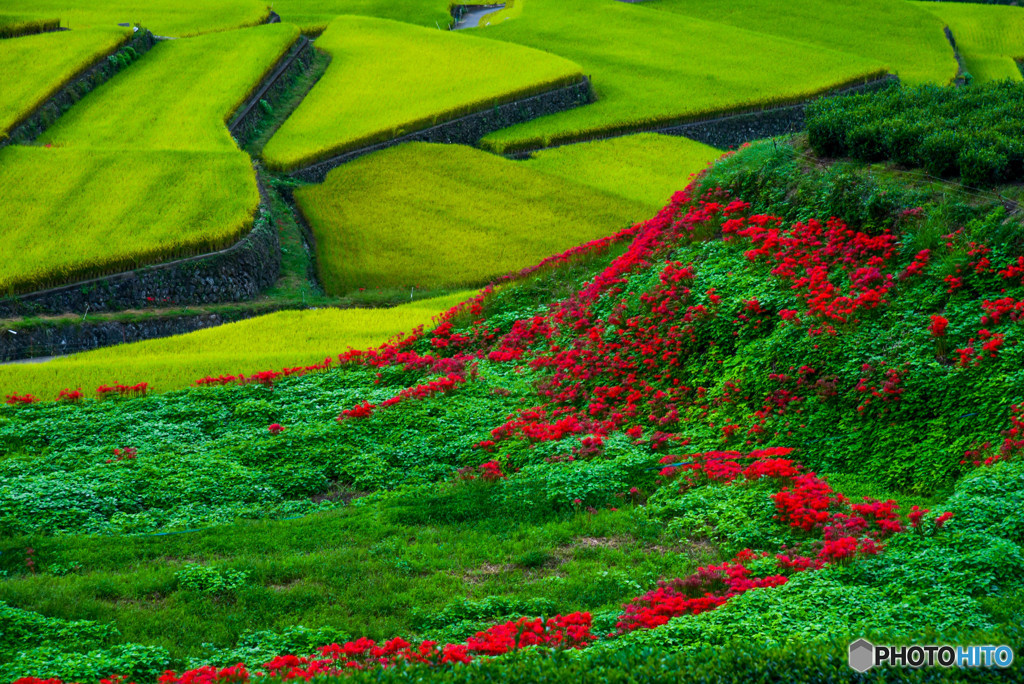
x=15 y=399
x=938 y=326
x=71 y=396
x=275 y=428
x=364 y=410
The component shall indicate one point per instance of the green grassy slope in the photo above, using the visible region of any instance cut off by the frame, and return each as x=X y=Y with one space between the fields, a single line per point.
x=700 y=344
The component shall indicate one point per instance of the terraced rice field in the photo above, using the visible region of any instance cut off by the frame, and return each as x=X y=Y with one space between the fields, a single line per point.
x=76 y=214
x=645 y=75
x=33 y=68
x=271 y=342
x=388 y=78
x=428 y=216
x=645 y=167
x=990 y=38
x=163 y=17
x=179 y=97
x=315 y=15
x=905 y=37
x=13 y=25
x=143 y=169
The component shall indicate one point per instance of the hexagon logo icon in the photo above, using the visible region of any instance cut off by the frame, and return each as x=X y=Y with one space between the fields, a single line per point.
x=862 y=655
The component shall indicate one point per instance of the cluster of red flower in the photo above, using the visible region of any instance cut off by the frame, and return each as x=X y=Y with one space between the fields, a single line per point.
x=562 y=631
x=123 y=391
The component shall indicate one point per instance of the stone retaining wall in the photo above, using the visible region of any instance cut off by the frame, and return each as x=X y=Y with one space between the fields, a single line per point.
x=468 y=130
x=243 y=124
x=236 y=273
x=77 y=336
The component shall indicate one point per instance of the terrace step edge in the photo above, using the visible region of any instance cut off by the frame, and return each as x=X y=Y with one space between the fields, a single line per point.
x=243 y=122
x=468 y=129
x=34 y=123
x=733 y=130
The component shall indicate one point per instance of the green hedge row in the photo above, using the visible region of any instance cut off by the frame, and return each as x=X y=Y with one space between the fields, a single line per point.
x=976 y=133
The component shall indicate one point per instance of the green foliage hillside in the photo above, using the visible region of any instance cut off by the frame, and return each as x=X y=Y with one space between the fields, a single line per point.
x=797 y=389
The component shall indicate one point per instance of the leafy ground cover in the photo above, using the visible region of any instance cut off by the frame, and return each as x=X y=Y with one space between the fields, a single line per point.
x=645 y=167
x=287 y=339
x=973 y=133
x=989 y=38
x=832 y=409
x=467 y=218
x=645 y=75
x=902 y=35
x=163 y=17
x=35 y=67
x=430 y=77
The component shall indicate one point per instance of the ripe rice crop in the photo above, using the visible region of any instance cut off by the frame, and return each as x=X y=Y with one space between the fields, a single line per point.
x=652 y=68
x=12 y=25
x=275 y=341
x=163 y=17
x=989 y=38
x=387 y=79
x=901 y=35
x=428 y=215
x=72 y=214
x=315 y=15
x=33 y=68
x=179 y=97
x=645 y=167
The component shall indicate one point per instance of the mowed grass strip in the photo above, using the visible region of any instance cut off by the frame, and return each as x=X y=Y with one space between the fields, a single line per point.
x=431 y=216
x=652 y=68
x=645 y=167
x=989 y=37
x=387 y=79
x=904 y=37
x=179 y=96
x=273 y=342
x=72 y=214
x=315 y=15
x=33 y=68
x=163 y=17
